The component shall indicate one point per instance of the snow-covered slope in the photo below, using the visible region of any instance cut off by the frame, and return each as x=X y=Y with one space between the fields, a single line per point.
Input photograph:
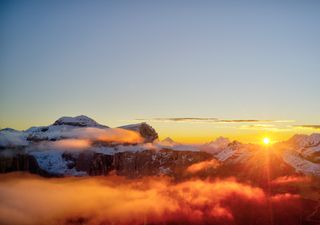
x=49 y=133
x=305 y=141
x=216 y=146
x=303 y=153
x=61 y=128
x=12 y=138
x=301 y=164
x=53 y=163
x=225 y=150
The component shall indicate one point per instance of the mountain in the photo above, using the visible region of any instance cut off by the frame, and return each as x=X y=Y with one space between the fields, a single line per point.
x=168 y=142
x=225 y=150
x=79 y=146
x=61 y=128
x=303 y=153
x=12 y=138
x=78 y=121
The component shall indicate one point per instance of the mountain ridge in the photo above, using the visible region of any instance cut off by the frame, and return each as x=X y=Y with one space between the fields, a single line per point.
x=59 y=149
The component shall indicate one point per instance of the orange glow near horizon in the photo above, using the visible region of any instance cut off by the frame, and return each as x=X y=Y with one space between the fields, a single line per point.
x=204 y=133
x=200 y=137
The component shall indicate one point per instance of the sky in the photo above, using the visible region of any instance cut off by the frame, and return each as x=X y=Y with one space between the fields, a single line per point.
x=215 y=62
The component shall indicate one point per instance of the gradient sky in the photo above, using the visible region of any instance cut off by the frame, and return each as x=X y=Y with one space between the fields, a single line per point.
x=118 y=61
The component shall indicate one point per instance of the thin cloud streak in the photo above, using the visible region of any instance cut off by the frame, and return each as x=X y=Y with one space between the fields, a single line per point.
x=311 y=126
x=266 y=127
x=213 y=120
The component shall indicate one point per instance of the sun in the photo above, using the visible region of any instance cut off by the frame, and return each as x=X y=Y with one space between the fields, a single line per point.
x=266 y=140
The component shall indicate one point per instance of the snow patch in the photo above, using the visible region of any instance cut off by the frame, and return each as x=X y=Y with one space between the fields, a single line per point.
x=12 y=138
x=52 y=162
x=300 y=164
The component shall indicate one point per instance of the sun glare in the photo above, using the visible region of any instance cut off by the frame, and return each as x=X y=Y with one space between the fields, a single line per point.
x=266 y=140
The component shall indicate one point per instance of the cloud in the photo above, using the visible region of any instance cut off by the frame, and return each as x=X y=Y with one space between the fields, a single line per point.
x=153 y=200
x=213 y=120
x=285 y=180
x=64 y=144
x=82 y=138
x=201 y=166
x=284 y=197
x=311 y=126
x=97 y=134
x=105 y=135
x=266 y=127
x=77 y=138
x=184 y=119
x=247 y=121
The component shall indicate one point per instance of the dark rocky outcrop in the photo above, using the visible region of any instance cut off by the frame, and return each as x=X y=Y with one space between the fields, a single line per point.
x=20 y=162
x=146 y=131
x=92 y=163
x=149 y=163
x=129 y=164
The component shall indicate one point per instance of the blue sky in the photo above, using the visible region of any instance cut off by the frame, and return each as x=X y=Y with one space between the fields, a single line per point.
x=117 y=61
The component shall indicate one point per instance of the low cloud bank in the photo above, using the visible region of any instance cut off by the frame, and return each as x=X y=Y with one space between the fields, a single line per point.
x=107 y=135
x=28 y=200
x=64 y=144
x=203 y=166
x=77 y=138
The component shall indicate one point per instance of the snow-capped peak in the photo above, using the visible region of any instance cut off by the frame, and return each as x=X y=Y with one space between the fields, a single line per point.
x=302 y=140
x=78 y=121
x=168 y=141
x=220 y=142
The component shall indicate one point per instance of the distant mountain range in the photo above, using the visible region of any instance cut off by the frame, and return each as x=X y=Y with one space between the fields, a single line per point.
x=79 y=146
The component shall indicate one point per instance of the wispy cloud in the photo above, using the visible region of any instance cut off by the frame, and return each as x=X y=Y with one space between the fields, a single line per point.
x=247 y=121
x=212 y=120
x=311 y=126
x=184 y=119
x=266 y=127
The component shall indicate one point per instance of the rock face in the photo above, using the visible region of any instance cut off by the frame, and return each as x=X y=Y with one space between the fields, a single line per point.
x=92 y=163
x=145 y=130
x=148 y=163
x=129 y=164
x=21 y=162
